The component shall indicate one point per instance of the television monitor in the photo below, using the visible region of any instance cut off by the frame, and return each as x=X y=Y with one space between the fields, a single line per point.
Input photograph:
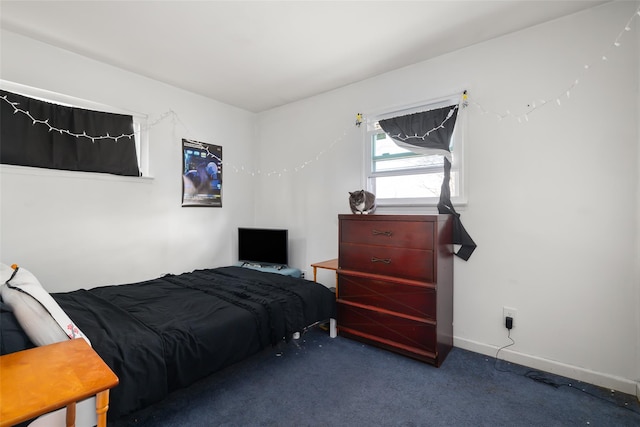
x=263 y=246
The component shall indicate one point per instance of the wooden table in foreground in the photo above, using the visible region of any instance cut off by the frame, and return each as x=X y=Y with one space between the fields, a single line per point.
x=43 y=379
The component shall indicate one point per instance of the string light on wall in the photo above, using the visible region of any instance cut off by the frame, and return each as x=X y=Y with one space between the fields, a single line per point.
x=175 y=119
x=93 y=138
x=566 y=93
x=358 y=122
x=285 y=171
x=45 y=122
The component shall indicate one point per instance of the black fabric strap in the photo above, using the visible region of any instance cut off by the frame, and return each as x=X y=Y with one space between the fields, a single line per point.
x=460 y=235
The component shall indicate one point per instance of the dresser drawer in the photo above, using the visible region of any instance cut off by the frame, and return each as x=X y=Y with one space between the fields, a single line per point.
x=386 y=327
x=413 y=264
x=406 y=234
x=412 y=300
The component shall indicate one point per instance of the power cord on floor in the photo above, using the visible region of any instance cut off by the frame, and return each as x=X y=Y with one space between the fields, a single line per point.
x=543 y=378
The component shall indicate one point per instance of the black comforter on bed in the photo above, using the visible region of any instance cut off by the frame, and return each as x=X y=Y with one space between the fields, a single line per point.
x=166 y=333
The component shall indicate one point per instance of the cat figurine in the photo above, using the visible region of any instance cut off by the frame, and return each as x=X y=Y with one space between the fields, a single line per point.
x=362 y=202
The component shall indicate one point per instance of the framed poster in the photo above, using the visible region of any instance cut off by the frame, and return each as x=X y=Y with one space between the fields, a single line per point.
x=201 y=174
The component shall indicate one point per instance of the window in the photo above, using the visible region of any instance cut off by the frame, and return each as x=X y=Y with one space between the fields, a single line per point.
x=139 y=120
x=399 y=177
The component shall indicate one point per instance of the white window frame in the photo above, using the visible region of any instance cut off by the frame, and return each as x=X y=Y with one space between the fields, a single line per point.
x=140 y=128
x=457 y=166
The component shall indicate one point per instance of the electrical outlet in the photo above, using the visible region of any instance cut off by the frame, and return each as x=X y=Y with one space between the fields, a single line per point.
x=303 y=274
x=509 y=312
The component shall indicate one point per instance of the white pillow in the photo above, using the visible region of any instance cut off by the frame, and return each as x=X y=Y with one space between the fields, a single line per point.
x=42 y=319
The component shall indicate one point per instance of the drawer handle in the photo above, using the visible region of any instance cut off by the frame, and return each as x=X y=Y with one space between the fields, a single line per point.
x=385 y=260
x=382 y=233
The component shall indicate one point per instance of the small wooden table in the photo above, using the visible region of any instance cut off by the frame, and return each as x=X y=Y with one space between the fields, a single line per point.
x=331 y=264
x=43 y=379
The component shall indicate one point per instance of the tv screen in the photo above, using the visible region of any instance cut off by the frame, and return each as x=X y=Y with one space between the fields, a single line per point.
x=263 y=245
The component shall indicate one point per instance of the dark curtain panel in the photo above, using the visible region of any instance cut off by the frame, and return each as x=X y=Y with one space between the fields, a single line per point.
x=423 y=133
x=460 y=235
x=24 y=142
x=430 y=130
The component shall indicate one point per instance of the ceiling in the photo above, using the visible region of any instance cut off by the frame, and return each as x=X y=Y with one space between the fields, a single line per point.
x=258 y=55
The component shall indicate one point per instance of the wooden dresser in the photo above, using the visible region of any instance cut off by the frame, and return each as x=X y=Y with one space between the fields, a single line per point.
x=395 y=283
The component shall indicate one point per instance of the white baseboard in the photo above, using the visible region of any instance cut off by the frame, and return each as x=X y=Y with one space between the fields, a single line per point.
x=612 y=382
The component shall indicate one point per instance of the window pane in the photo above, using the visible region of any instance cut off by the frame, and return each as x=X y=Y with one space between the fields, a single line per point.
x=408 y=186
x=411 y=186
x=408 y=163
x=400 y=177
x=388 y=156
x=382 y=145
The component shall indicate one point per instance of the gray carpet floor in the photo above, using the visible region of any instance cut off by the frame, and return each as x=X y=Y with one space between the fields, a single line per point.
x=319 y=381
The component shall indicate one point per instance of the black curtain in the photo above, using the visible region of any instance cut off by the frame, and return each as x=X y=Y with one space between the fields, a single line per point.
x=429 y=132
x=24 y=141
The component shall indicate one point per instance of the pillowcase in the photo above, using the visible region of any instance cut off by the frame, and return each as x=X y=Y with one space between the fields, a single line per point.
x=12 y=336
x=42 y=319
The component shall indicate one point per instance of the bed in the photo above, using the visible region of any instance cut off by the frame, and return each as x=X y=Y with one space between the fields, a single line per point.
x=164 y=334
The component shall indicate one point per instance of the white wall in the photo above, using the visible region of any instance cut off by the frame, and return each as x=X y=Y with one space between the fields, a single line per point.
x=552 y=202
x=637 y=353
x=82 y=230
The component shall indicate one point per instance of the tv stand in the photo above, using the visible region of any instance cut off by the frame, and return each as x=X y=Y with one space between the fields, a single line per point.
x=272 y=268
